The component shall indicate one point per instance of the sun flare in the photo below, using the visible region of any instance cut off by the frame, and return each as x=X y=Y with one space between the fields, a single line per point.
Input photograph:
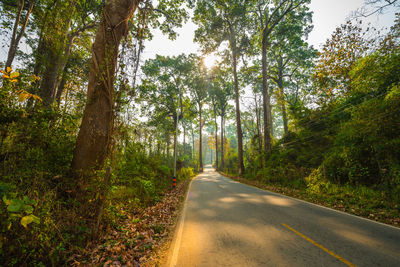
x=209 y=61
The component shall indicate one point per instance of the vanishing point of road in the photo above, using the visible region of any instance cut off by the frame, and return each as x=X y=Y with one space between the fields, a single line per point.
x=226 y=223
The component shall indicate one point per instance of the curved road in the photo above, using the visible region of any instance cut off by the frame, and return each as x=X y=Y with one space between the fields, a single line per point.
x=226 y=223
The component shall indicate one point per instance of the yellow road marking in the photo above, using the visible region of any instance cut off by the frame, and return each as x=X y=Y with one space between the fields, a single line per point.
x=320 y=246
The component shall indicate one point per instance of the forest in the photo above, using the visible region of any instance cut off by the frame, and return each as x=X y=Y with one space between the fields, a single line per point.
x=92 y=135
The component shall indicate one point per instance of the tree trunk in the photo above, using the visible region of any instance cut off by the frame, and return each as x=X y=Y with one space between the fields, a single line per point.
x=175 y=141
x=94 y=138
x=258 y=118
x=55 y=62
x=16 y=36
x=238 y=121
x=266 y=98
x=216 y=141
x=168 y=144
x=200 y=141
x=184 y=139
x=61 y=88
x=193 y=154
x=282 y=95
x=222 y=142
x=283 y=110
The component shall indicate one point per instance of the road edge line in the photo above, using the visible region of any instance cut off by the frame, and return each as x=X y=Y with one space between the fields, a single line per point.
x=172 y=259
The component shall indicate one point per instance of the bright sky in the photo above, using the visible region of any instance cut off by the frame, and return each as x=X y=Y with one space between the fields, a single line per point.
x=328 y=14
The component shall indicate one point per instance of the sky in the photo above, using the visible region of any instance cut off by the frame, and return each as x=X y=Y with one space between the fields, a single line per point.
x=327 y=15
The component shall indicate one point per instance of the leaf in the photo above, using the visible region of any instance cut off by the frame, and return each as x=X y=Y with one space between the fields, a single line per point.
x=14 y=75
x=37 y=97
x=15 y=205
x=14 y=80
x=5 y=76
x=29 y=219
x=9 y=69
x=23 y=96
x=28 y=209
x=6 y=200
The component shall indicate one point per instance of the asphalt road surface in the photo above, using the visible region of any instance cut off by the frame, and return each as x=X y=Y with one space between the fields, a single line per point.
x=226 y=223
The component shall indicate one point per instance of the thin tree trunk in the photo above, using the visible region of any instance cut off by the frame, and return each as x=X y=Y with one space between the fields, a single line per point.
x=193 y=154
x=184 y=139
x=61 y=88
x=94 y=138
x=238 y=121
x=216 y=141
x=168 y=145
x=258 y=115
x=175 y=141
x=200 y=140
x=282 y=95
x=283 y=109
x=16 y=36
x=222 y=142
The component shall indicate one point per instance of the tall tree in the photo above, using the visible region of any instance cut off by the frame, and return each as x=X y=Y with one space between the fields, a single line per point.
x=212 y=92
x=93 y=142
x=289 y=52
x=198 y=89
x=60 y=24
x=221 y=21
x=94 y=138
x=224 y=91
x=268 y=14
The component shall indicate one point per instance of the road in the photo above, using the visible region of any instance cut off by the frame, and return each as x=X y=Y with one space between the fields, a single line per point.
x=226 y=223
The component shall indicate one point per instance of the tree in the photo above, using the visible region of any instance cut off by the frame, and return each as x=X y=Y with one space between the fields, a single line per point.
x=288 y=53
x=163 y=88
x=60 y=24
x=268 y=14
x=212 y=92
x=221 y=21
x=94 y=138
x=93 y=142
x=198 y=89
x=339 y=55
x=224 y=90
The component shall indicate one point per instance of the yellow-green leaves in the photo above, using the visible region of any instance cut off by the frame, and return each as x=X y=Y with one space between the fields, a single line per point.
x=21 y=208
x=29 y=219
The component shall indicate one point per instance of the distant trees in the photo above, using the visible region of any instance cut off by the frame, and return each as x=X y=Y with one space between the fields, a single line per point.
x=225 y=21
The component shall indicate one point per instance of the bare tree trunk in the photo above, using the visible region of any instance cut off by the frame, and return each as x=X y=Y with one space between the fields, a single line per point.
x=94 y=138
x=16 y=36
x=238 y=121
